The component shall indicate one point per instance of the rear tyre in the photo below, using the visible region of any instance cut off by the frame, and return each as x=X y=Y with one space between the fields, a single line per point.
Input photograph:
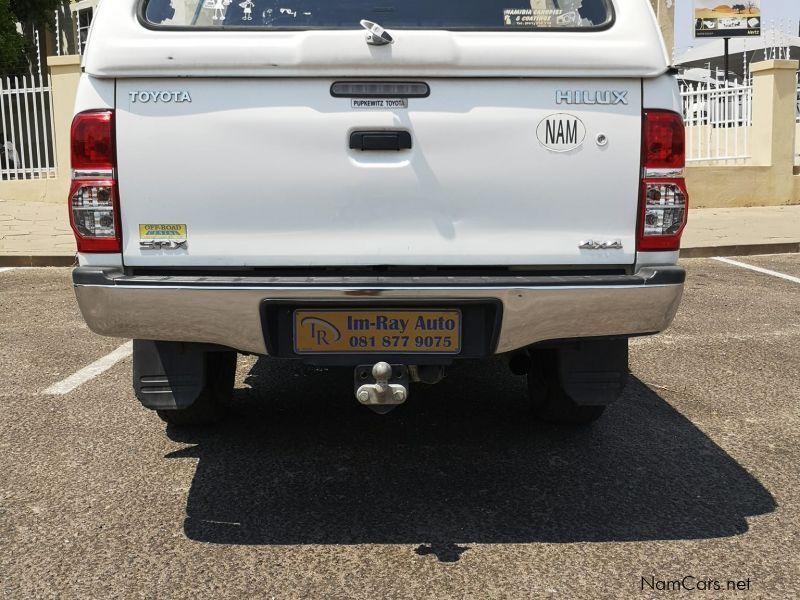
x=549 y=401
x=212 y=403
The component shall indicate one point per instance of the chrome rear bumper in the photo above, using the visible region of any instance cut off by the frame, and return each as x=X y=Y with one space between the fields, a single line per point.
x=226 y=310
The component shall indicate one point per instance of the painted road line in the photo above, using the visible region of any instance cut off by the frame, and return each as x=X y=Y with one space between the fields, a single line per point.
x=6 y=269
x=91 y=371
x=736 y=263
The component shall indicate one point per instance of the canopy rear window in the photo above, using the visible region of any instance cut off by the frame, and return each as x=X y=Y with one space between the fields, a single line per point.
x=398 y=14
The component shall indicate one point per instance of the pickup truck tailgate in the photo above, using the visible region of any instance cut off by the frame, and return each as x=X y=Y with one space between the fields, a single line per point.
x=261 y=173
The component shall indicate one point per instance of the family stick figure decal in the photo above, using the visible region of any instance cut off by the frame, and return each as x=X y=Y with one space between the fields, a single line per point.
x=247 y=5
x=219 y=7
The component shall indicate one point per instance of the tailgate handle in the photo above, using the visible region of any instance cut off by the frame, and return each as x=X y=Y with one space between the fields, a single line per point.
x=380 y=140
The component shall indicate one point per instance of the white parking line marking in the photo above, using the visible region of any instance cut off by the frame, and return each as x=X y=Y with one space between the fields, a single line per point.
x=6 y=269
x=91 y=371
x=736 y=263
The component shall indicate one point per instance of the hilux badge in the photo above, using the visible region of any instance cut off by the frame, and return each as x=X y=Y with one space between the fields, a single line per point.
x=591 y=97
x=561 y=132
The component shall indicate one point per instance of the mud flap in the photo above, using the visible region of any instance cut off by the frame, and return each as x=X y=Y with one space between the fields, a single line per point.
x=593 y=372
x=168 y=375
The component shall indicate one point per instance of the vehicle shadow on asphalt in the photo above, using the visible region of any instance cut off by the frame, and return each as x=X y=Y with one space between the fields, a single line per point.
x=300 y=462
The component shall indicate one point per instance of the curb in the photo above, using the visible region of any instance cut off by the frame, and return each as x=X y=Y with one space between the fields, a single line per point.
x=740 y=250
x=69 y=260
x=38 y=260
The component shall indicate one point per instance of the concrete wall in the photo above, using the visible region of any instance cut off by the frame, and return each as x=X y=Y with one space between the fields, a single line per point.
x=665 y=13
x=30 y=190
x=797 y=145
x=731 y=186
x=796 y=187
x=768 y=177
x=65 y=72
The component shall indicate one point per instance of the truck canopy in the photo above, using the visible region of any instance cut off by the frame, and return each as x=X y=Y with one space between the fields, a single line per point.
x=162 y=38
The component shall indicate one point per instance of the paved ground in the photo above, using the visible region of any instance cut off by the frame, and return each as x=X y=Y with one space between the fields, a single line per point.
x=302 y=493
x=41 y=229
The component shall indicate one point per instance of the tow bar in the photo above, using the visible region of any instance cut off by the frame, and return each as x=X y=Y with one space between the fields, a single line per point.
x=390 y=387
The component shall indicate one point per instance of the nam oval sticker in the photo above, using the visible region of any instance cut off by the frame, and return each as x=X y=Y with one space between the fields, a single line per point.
x=561 y=132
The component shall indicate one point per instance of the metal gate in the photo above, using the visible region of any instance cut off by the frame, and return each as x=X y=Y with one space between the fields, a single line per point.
x=27 y=144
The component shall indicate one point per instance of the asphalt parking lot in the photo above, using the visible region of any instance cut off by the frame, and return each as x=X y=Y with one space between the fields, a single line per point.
x=303 y=493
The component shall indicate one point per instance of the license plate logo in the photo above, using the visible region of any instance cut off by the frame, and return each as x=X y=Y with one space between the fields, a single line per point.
x=402 y=331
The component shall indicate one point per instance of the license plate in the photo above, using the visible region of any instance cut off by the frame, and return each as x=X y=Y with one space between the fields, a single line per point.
x=372 y=331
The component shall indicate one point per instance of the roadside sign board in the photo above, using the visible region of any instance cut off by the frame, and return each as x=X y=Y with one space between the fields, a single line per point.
x=727 y=18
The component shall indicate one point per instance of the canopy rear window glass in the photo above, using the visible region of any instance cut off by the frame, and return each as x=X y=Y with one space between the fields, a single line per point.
x=398 y=14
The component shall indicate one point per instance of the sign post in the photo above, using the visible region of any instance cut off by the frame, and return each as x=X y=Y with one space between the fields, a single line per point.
x=727 y=57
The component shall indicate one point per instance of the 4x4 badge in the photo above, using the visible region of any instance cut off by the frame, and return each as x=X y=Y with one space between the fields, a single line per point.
x=601 y=245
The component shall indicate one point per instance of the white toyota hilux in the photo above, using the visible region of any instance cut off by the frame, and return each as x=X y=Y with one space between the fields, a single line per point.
x=386 y=186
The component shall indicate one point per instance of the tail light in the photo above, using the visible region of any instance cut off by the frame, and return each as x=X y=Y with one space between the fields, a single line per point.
x=663 y=201
x=93 y=198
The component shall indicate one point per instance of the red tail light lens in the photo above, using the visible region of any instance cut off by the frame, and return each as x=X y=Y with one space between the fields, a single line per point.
x=664 y=140
x=92 y=138
x=664 y=201
x=93 y=197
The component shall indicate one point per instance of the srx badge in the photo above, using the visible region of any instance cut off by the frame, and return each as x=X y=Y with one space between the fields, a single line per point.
x=561 y=132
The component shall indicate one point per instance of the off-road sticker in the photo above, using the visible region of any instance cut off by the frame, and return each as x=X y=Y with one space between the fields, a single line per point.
x=162 y=232
x=378 y=103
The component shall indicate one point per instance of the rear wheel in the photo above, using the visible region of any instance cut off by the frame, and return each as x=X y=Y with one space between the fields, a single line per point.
x=211 y=405
x=549 y=401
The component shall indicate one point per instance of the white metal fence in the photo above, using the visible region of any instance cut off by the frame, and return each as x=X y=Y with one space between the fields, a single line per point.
x=71 y=26
x=797 y=109
x=797 y=126
x=718 y=120
x=27 y=148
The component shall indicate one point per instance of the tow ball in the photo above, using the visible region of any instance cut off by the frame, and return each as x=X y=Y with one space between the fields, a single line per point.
x=389 y=389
